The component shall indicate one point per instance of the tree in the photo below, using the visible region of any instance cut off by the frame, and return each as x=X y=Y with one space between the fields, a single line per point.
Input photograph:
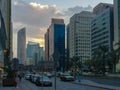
x=90 y=63
x=74 y=64
x=118 y=50
x=100 y=57
x=112 y=60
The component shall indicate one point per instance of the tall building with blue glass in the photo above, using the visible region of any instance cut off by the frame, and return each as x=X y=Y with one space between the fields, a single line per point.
x=33 y=53
x=57 y=42
x=102 y=32
x=32 y=47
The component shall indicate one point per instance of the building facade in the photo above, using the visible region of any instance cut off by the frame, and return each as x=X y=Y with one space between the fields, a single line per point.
x=116 y=25
x=57 y=42
x=41 y=54
x=67 y=50
x=15 y=63
x=33 y=52
x=47 y=45
x=38 y=55
x=2 y=40
x=116 y=21
x=80 y=35
x=21 y=46
x=101 y=7
x=102 y=32
x=5 y=30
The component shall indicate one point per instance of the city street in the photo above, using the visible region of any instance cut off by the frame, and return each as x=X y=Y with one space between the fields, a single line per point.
x=105 y=81
x=27 y=85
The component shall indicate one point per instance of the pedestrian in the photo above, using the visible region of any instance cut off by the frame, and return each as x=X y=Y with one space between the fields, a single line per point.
x=79 y=76
x=20 y=77
x=15 y=83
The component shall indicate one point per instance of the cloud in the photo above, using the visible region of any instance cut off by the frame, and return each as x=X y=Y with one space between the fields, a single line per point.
x=77 y=9
x=35 y=17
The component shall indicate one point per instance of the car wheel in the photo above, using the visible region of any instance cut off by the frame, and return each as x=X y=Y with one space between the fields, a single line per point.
x=51 y=85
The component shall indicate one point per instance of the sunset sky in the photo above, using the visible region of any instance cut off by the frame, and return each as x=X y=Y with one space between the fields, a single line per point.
x=36 y=15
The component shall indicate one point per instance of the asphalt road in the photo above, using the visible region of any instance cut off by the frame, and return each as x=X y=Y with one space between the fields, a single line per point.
x=27 y=85
x=105 y=81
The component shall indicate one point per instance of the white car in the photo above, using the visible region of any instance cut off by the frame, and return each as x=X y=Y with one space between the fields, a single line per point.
x=35 y=77
x=27 y=76
x=67 y=77
x=49 y=75
x=43 y=80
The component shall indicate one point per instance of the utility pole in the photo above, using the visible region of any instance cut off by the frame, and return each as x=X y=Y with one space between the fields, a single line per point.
x=55 y=73
x=42 y=75
x=56 y=57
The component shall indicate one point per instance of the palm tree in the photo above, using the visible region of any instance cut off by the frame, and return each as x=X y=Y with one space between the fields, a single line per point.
x=74 y=62
x=112 y=60
x=118 y=50
x=100 y=55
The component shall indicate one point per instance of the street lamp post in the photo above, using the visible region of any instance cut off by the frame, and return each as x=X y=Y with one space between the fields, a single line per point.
x=56 y=57
x=55 y=74
x=42 y=74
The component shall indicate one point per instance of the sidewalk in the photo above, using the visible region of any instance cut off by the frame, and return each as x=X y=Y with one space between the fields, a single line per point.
x=94 y=84
x=106 y=76
x=114 y=75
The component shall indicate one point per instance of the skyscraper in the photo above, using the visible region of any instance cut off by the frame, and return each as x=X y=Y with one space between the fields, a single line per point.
x=102 y=32
x=47 y=45
x=56 y=36
x=21 y=46
x=33 y=52
x=116 y=22
x=79 y=35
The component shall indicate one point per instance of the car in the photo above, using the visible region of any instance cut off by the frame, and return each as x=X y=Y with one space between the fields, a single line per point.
x=31 y=77
x=67 y=77
x=49 y=75
x=27 y=76
x=43 y=80
x=59 y=74
x=35 y=77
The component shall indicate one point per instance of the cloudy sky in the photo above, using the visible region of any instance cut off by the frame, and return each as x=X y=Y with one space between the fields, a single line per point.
x=36 y=15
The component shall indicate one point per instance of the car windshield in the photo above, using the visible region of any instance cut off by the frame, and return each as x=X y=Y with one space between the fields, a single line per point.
x=44 y=78
x=67 y=74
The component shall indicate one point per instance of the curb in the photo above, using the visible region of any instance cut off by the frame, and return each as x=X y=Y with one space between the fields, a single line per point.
x=116 y=77
x=94 y=86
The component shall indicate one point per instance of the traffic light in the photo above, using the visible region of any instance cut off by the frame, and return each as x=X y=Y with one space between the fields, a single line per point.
x=5 y=56
x=5 y=52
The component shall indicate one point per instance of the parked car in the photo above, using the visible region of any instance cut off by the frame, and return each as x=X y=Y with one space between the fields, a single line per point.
x=31 y=77
x=59 y=74
x=43 y=80
x=67 y=77
x=27 y=76
x=35 y=77
x=49 y=75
